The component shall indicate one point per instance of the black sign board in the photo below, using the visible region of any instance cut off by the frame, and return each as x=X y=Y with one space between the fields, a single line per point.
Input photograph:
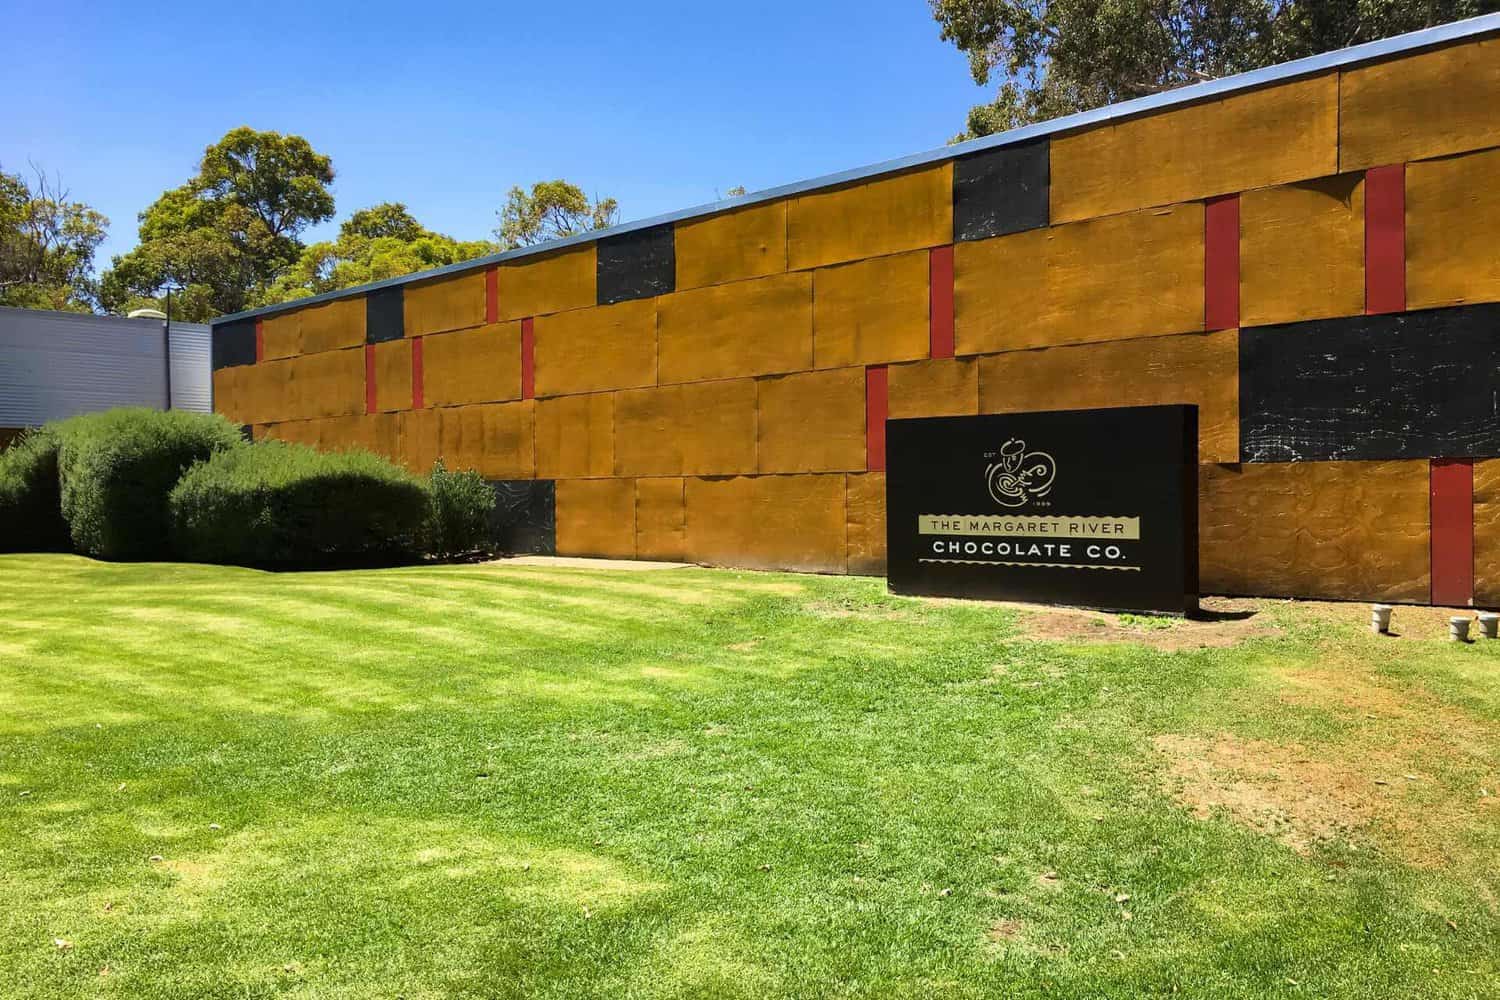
x=1093 y=508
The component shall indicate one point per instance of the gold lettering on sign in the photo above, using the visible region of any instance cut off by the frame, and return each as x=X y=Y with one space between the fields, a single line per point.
x=1126 y=529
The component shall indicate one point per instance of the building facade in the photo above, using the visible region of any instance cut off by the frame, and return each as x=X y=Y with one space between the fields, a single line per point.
x=58 y=364
x=1309 y=253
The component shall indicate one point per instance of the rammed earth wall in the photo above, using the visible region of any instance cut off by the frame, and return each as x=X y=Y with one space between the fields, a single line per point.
x=1311 y=255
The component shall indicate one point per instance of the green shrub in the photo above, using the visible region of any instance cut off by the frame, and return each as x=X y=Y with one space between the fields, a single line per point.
x=116 y=469
x=30 y=502
x=273 y=503
x=462 y=504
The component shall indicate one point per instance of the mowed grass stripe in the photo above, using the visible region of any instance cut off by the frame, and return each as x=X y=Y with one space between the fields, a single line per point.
x=803 y=787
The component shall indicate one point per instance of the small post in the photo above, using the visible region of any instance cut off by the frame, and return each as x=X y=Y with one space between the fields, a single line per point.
x=166 y=333
x=1489 y=624
x=1380 y=619
x=1458 y=629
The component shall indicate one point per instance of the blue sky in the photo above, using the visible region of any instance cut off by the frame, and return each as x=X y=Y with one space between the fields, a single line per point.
x=446 y=106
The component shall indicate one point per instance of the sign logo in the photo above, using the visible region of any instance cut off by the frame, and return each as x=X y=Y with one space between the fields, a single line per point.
x=1020 y=476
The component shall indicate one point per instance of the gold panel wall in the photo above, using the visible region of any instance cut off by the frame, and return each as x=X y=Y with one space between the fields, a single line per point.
x=756 y=327
x=871 y=312
x=1201 y=368
x=606 y=347
x=451 y=303
x=547 y=284
x=872 y=218
x=1420 y=106
x=768 y=522
x=1135 y=275
x=472 y=366
x=747 y=243
x=1302 y=251
x=1248 y=140
x=813 y=422
x=660 y=519
x=1452 y=230
x=1341 y=530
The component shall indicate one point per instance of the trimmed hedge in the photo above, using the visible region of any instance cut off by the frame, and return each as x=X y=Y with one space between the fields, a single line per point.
x=116 y=468
x=462 y=504
x=31 y=517
x=274 y=503
x=143 y=484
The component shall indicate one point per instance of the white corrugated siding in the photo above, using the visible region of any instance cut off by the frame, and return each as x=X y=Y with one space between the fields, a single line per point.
x=192 y=367
x=56 y=364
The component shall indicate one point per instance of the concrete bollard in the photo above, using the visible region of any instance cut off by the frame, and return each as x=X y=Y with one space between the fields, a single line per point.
x=1380 y=618
x=1458 y=629
x=1489 y=623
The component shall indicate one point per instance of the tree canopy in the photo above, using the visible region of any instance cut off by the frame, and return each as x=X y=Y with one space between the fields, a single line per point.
x=47 y=245
x=382 y=241
x=231 y=231
x=230 y=238
x=1055 y=58
x=551 y=210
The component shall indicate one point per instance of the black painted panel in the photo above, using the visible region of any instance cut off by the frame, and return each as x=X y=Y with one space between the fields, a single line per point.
x=1407 y=385
x=234 y=344
x=385 y=315
x=637 y=265
x=1001 y=191
x=525 y=517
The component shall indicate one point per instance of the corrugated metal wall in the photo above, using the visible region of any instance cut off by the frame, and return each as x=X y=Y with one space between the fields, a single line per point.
x=56 y=364
x=192 y=377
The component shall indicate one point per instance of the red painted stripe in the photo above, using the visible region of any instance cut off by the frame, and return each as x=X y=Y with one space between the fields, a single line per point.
x=492 y=295
x=528 y=359
x=1452 y=531
x=260 y=342
x=940 y=302
x=370 y=401
x=876 y=408
x=1385 y=239
x=1221 y=263
x=417 y=400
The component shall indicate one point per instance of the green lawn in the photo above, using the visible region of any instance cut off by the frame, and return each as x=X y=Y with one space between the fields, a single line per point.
x=505 y=781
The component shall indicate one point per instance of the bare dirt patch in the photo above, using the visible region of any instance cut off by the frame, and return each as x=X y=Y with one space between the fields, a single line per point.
x=1409 y=773
x=1408 y=621
x=1283 y=791
x=1005 y=931
x=1361 y=696
x=1226 y=622
x=835 y=609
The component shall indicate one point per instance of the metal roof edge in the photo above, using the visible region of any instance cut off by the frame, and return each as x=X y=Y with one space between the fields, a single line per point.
x=106 y=318
x=177 y=324
x=1279 y=73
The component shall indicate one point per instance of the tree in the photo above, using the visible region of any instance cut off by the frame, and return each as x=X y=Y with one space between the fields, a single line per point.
x=383 y=241
x=1055 y=58
x=551 y=211
x=230 y=232
x=47 y=245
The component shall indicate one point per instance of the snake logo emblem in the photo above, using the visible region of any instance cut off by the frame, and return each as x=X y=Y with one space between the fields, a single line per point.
x=1020 y=475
